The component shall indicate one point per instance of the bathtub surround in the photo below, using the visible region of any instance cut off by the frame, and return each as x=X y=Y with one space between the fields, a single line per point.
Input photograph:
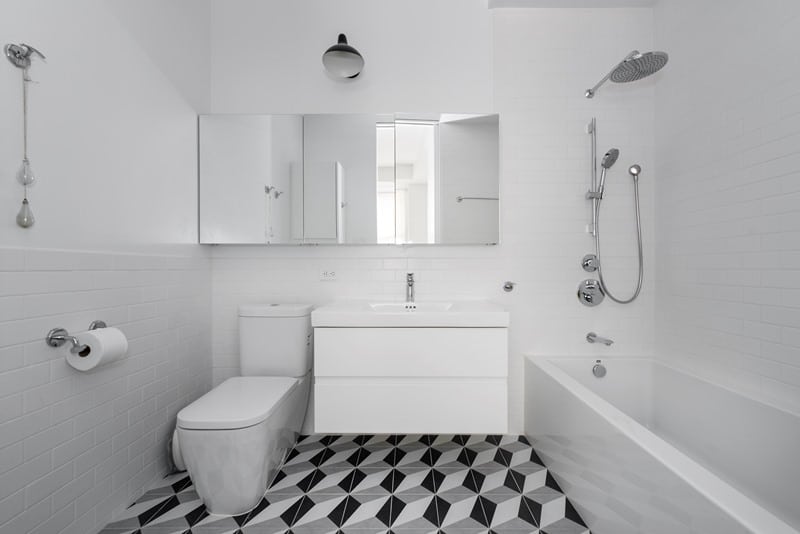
x=728 y=154
x=374 y=483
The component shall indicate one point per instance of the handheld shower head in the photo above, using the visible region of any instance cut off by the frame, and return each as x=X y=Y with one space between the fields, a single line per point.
x=610 y=158
x=606 y=163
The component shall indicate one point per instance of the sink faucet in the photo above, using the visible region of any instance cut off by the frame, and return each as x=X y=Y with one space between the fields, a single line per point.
x=591 y=337
x=410 y=288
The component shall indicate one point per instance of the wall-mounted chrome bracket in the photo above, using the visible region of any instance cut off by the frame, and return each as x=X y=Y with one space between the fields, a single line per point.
x=58 y=336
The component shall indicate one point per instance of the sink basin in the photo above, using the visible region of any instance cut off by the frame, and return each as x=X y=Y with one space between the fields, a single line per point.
x=466 y=314
x=389 y=307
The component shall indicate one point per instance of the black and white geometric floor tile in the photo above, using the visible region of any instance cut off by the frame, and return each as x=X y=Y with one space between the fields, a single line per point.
x=400 y=484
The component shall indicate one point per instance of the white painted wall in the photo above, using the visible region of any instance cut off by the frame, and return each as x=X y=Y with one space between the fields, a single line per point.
x=114 y=144
x=541 y=62
x=421 y=55
x=728 y=140
x=176 y=36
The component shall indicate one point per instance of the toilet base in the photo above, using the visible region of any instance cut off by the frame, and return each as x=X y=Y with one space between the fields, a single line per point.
x=231 y=469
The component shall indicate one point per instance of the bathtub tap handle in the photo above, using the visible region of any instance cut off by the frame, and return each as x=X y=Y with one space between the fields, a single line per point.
x=599 y=370
x=591 y=337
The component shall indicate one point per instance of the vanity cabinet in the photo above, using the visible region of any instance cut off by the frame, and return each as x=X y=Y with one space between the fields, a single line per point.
x=411 y=380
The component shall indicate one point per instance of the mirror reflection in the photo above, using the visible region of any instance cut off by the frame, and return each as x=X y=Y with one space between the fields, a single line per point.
x=349 y=179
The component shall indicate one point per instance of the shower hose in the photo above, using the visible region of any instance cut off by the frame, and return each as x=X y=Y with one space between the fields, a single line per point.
x=603 y=284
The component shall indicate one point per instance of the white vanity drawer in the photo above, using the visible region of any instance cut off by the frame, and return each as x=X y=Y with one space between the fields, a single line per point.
x=411 y=406
x=411 y=352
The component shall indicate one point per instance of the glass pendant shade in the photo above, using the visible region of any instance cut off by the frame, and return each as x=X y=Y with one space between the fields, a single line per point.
x=25 y=174
x=25 y=217
x=342 y=60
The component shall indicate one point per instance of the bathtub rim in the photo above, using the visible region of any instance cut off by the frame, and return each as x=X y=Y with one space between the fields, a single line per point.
x=753 y=516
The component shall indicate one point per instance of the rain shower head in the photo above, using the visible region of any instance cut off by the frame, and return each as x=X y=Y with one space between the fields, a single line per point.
x=635 y=66
x=639 y=66
x=610 y=158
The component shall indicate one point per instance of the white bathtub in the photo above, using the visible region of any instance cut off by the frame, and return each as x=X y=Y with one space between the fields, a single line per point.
x=650 y=449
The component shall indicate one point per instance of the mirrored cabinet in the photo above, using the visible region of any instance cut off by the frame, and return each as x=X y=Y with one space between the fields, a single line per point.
x=349 y=179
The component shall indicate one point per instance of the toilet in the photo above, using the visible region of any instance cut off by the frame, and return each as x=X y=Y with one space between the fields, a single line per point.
x=232 y=439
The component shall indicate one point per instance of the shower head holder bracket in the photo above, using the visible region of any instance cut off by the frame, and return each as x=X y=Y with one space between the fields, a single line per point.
x=20 y=55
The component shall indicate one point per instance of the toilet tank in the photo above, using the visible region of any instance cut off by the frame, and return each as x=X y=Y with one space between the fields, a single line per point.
x=275 y=339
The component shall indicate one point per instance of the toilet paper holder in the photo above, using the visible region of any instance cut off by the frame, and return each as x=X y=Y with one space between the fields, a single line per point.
x=58 y=336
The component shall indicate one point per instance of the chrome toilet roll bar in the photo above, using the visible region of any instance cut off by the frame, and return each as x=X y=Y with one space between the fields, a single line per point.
x=58 y=336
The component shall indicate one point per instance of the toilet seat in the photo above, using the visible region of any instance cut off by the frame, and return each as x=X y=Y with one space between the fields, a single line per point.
x=239 y=402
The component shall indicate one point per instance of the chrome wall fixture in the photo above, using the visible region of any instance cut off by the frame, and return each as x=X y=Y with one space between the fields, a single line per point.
x=58 y=336
x=342 y=60
x=592 y=262
x=591 y=337
x=634 y=66
x=270 y=193
x=590 y=292
x=20 y=56
x=598 y=369
x=461 y=199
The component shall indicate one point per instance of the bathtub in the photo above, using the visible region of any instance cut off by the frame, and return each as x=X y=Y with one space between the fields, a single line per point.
x=652 y=449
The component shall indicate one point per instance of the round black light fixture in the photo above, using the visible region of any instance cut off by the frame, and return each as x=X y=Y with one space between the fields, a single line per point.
x=342 y=60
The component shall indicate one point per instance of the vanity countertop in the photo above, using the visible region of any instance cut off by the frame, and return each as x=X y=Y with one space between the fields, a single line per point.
x=422 y=314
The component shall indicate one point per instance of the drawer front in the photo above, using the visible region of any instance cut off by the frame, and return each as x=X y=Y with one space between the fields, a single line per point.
x=411 y=352
x=411 y=406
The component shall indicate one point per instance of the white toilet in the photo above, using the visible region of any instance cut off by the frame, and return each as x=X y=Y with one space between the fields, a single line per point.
x=232 y=439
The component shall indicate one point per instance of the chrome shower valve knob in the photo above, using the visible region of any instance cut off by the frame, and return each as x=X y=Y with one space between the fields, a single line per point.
x=590 y=293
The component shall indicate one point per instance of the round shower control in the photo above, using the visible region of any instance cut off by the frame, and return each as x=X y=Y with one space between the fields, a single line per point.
x=590 y=293
x=589 y=263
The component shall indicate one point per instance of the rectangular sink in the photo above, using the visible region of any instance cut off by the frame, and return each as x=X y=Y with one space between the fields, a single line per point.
x=389 y=307
x=466 y=314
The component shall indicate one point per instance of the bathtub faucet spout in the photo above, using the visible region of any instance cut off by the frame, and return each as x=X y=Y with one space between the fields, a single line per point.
x=591 y=337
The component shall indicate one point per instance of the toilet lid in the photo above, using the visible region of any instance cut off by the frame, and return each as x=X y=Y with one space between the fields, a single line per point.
x=238 y=402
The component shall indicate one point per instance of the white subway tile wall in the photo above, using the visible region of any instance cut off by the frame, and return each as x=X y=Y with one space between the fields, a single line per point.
x=728 y=216
x=543 y=61
x=77 y=447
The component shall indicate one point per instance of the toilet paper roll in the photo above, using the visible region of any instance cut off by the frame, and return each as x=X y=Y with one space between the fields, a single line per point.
x=101 y=346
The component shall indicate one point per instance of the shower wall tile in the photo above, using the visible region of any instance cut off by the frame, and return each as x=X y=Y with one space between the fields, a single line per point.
x=542 y=61
x=728 y=217
x=62 y=432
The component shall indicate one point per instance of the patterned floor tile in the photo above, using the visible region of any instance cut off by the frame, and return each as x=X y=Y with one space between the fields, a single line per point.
x=379 y=484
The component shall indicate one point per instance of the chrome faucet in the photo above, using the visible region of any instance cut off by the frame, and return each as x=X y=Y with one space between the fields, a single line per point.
x=591 y=337
x=410 y=288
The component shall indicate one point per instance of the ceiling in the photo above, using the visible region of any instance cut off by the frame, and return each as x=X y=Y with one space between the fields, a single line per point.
x=495 y=4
